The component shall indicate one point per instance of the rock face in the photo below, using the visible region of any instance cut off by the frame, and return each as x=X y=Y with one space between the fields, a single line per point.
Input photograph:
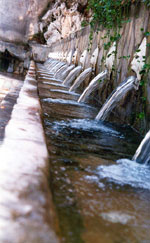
x=61 y=20
x=18 y=19
x=22 y=19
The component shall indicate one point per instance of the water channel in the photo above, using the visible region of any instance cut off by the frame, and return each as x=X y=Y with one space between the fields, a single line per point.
x=99 y=196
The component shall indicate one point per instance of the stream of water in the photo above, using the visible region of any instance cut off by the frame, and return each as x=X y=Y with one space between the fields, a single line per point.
x=99 y=196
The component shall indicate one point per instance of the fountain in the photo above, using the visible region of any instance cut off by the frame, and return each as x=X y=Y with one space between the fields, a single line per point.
x=97 y=82
x=76 y=141
x=142 y=154
x=94 y=84
x=57 y=67
x=87 y=72
x=67 y=71
x=72 y=75
x=84 y=75
x=60 y=71
x=127 y=85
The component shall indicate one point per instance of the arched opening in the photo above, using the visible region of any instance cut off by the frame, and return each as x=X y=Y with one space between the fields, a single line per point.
x=10 y=64
x=5 y=60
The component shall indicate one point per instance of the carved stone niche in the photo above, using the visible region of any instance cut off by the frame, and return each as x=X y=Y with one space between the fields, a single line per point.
x=83 y=58
x=139 y=59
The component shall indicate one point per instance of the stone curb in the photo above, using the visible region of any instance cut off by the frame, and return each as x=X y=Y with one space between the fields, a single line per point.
x=26 y=210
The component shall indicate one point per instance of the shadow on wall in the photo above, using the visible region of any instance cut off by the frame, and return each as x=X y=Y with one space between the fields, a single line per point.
x=5 y=59
x=10 y=64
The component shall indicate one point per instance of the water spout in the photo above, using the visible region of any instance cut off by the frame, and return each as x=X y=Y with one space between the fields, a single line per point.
x=142 y=154
x=67 y=71
x=57 y=67
x=85 y=74
x=94 y=84
x=72 y=75
x=116 y=96
x=60 y=71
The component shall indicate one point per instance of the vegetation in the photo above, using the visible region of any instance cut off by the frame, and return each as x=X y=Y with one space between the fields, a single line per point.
x=109 y=13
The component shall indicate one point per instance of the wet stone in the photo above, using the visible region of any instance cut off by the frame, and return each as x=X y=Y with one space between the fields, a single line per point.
x=52 y=94
x=52 y=86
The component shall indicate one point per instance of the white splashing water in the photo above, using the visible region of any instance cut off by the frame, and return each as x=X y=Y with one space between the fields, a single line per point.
x=126 y=172
x=67 y=102
x=142 y=154
x=55 y=84
x=86 y=125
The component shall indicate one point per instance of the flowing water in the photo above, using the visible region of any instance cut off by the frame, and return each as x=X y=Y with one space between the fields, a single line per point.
x=116 y=96
x=81 y=78
x=96 y=83
x=142 y=154
x=99 y=196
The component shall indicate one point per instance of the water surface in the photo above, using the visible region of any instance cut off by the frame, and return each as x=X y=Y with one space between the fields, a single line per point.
x=98 y=197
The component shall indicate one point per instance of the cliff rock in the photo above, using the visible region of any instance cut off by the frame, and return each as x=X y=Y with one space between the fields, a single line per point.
x=21 y=20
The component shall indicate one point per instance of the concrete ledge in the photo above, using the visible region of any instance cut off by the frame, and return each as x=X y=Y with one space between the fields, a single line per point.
x=26 y=210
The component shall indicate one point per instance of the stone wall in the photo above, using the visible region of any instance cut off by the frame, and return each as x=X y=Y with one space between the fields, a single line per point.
x=132 y=35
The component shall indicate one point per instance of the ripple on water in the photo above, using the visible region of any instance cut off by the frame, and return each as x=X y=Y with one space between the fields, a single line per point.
x=91 y=203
